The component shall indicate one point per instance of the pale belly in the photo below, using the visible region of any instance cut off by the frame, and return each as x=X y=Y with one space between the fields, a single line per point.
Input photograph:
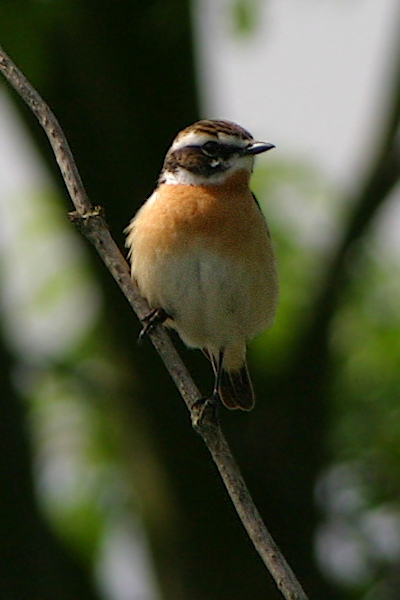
x=214 y=302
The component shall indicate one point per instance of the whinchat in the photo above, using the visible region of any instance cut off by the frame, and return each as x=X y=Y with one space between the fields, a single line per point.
x=201 y=252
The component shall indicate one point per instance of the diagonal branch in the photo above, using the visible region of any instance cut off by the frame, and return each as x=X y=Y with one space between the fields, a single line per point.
x=92 y=224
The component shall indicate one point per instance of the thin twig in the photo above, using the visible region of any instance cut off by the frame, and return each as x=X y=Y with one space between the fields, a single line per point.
x=94 y=227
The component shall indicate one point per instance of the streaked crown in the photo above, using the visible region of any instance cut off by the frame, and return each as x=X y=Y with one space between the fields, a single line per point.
x=208 y=152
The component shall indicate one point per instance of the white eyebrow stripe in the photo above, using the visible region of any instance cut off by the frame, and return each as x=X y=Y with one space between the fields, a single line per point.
x=198 y=139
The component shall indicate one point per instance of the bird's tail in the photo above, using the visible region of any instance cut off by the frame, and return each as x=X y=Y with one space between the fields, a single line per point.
x=235 y=388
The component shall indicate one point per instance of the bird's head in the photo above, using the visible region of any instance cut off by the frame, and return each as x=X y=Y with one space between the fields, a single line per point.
x=209 y=152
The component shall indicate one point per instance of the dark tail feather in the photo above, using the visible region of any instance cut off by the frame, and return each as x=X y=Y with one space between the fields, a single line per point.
x=236 y=390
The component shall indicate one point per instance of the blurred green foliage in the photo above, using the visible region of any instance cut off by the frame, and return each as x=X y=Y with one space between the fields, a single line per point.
x=244 y=15
x=109 y=435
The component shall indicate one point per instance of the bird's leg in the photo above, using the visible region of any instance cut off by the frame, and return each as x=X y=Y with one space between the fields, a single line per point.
x=209 y=404
x=150 y=322
x=218 y=374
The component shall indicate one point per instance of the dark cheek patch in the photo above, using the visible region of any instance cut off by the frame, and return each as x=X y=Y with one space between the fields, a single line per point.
x=194 y=160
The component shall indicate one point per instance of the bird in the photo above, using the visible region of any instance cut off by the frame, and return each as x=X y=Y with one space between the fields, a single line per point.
x=201 y=252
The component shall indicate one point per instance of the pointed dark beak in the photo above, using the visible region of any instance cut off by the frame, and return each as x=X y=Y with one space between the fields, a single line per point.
x=257 y=148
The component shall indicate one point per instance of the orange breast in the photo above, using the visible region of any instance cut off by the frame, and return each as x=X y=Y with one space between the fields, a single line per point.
x=225 y=218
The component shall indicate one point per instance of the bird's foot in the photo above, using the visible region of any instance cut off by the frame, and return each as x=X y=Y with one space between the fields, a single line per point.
x=205 y=410
x=150 y=322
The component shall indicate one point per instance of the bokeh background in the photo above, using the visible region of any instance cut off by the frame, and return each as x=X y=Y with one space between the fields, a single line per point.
x=105 y=491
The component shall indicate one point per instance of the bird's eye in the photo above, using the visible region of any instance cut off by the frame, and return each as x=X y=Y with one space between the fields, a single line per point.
x=210 y=149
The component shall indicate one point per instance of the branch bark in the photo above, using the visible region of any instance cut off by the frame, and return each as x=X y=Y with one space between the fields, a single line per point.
x=93 y=226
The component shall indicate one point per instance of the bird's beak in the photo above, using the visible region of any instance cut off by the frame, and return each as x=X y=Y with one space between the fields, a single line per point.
x=257 y=148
